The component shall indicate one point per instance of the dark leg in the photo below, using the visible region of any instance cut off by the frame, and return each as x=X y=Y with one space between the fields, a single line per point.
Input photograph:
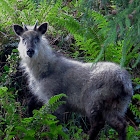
x=60 y=113
x=97 y=123
x=34 y=103
x=119 y=124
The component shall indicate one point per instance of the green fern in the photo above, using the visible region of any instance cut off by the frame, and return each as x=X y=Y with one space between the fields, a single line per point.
x=37 y=127
x=126 y=31
x=94 y=33
x=135 y=110
x=56 y=98
x=55 y=102
x=136 y=96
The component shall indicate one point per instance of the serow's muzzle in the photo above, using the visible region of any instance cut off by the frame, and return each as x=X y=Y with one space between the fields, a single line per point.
x=30 y=52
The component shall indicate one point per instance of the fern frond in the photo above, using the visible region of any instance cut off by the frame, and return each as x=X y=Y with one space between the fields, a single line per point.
x=55 y=102
x=137 y=61
x=55 y=106
x=135 y=110
x=56 y=98
x=136 y=96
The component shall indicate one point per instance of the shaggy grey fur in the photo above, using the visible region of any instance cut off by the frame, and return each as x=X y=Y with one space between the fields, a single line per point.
x=101 y=91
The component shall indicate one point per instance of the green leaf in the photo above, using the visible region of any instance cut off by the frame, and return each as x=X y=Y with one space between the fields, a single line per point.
x=127 y=22
x=50 y=116
x=11 y=136
x=6 y=68
x=29 y=138
x=31 y=132
x=136 y=96
x=3 y=89
x=56 y=98
x=137 y=61
x=22 y=129
x=27 y=120
x=15 y=50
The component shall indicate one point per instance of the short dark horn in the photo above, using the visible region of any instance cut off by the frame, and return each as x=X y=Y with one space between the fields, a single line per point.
x=35 y=25
x=24 y=26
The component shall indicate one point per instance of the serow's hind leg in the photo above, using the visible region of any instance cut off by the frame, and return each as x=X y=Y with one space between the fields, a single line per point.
x=97 y=123
x=119 y=124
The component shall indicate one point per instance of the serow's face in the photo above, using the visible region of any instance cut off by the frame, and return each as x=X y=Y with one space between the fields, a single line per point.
x=30 y=39
x=30 y=42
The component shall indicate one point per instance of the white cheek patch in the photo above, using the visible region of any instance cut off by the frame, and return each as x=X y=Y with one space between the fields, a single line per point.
x=23 y=51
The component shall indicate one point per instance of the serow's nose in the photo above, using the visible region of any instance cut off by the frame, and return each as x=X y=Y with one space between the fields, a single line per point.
x=30 y=52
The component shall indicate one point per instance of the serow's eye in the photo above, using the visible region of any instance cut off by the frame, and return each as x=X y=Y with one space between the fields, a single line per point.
x=24 y=41
x=36 y=40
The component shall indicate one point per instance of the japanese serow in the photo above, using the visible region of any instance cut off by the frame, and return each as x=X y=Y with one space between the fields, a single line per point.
x=101 y=91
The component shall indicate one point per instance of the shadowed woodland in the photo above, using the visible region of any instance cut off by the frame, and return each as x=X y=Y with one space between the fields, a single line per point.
x=84 y=30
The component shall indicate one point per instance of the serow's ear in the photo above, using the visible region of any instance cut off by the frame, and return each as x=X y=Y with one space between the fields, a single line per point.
x=18 y=29
x=43 y=28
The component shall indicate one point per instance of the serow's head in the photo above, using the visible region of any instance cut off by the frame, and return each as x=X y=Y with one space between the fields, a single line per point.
x=30 y=39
